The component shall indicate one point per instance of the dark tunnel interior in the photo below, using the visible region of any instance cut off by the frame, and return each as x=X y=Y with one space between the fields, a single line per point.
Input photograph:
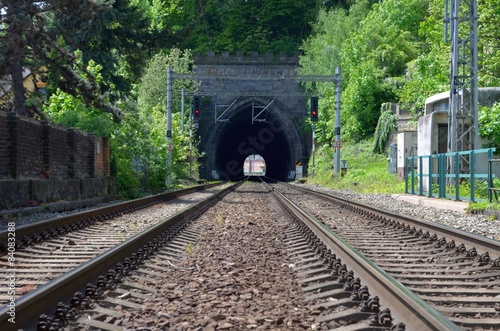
x=241 y=138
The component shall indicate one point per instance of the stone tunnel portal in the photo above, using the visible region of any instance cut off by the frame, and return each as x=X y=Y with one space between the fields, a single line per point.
x=240 y=138
x=237 y=88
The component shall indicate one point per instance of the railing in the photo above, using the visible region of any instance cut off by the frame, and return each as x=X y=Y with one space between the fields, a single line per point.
x=440 y=175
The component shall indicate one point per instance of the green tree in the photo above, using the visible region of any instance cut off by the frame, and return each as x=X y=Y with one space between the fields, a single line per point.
x=138 y=142
x=49 y=32
x=428 y=73
x=235 y=25
x=116 y=36
x=489 y=124
x=374 y=62
x=16 y=23
x=153 y=83
x=488 y=43
x=386 y=124
x=322 y=54
x=149 y=122
x=373 y=44
x=71 y=111
x=24 y=32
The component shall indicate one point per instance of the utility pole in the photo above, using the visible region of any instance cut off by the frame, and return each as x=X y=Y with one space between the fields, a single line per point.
x=313 y=127
x=169 y=128
x=314 y=120
x=191 y=143
x=182 y=110
x=338 y=142
x=460 y=25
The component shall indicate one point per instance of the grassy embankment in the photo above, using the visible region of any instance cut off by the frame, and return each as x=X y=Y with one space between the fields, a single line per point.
x=366 y=173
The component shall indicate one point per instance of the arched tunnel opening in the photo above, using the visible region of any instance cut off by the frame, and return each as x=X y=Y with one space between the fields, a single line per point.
x=254 y=165
x=242 y=138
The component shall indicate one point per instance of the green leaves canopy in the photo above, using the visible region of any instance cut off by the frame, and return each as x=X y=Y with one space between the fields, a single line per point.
x=389 y=51
x=234 y=25
x=374 y=60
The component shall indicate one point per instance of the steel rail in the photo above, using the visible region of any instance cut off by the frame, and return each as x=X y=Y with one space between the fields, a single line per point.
x=39 y=227
x=480 y=243
x=44 y=299
x=405 y=306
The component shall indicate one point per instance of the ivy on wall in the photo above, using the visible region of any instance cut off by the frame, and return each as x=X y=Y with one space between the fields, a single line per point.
x=386 y=124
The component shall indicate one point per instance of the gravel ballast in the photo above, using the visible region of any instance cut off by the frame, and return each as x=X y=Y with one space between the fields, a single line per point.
x=474 y=223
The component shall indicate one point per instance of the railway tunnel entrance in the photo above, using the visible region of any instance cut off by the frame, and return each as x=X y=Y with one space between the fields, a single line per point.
x=241 y=138
x=251 y=105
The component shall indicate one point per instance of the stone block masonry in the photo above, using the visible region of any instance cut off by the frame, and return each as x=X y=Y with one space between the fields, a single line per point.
x=42 y=163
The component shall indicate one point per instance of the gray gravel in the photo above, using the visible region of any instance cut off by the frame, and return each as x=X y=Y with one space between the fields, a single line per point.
x=479 y=224
x=235 y=276
x=37 y=214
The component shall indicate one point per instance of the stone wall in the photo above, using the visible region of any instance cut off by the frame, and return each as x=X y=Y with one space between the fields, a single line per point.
x=4 y=158
x=229 y=79
x=42 y=163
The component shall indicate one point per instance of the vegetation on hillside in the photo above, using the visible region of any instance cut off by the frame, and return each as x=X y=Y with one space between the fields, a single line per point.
x=390 y=51
x=106 y=64
x=367 y=172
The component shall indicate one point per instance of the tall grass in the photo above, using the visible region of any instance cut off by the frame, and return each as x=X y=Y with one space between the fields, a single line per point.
x=366 y=172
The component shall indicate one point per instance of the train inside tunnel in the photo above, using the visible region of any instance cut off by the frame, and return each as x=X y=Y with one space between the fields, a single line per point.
x=242 y=137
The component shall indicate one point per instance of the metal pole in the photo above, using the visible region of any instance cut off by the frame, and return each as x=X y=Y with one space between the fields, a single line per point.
x=454 y=84
x=182 y=111
x=191 y=144
x=474 y=79
x=337 y=121
x=313 y=144
x=169 y=127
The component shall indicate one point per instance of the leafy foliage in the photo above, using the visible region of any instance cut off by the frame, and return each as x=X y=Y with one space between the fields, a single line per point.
x=323 y=55
x=153 y=83
x=107 y=61
x=114 y=35
x=428 y=73
x=236 y=25
x=148 y=124
x=30 y=37
x=489 y=124
x=71 y=110
x=488 y=48
x=138 y=143
x=372 y=43
x=374 y=58
x=67 y=110
x=386 y=125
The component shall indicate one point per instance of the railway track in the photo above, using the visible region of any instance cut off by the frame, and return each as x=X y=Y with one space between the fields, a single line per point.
x=454 y=272
x=52 y=248
x=225 y=265
x=29 y=234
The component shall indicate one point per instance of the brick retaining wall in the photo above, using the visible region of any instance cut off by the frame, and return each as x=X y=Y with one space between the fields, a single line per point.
x=42 y=163
x=4 y=158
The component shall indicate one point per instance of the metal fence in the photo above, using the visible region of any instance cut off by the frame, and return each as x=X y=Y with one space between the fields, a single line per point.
x=448 y=175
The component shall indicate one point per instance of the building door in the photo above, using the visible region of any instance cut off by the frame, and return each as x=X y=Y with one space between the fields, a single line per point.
x=442 y=138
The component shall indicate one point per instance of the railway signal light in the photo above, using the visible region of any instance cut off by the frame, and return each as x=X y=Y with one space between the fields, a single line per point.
x=314 y=109
x=196 y=106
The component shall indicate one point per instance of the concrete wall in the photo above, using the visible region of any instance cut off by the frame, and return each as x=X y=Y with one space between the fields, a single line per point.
x=42 y=163
x=406 y=146
x=436 y=113
x=428 y=132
